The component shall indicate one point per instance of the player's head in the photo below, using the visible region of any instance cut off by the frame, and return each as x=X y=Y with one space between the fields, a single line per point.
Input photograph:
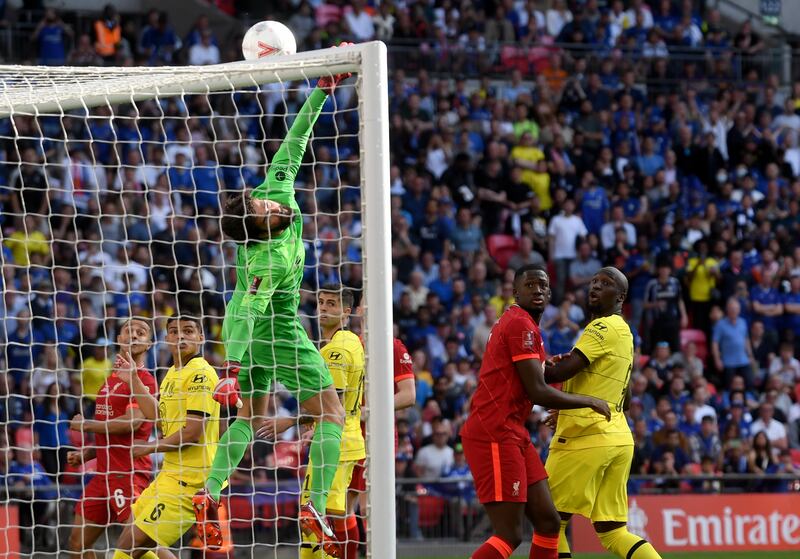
x=532 y=289
x=335 y=305
x=247 y=218
x=135 y=336
x=184 y=336
x=607 y=291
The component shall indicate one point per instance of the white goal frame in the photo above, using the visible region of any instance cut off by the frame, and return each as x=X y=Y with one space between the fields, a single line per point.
x=36 y=90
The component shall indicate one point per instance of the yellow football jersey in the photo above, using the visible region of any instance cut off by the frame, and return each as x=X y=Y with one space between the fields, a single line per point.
x=183 y=391
x=344 y=355
x=607 y=343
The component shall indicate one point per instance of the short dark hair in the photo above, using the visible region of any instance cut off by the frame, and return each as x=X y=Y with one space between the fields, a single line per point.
x=521 y=271
x=346 y=295
x=186 y=318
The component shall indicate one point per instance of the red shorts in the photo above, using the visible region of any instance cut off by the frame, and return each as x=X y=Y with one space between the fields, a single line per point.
x=107 y=498
x=503 y=471
x=359 y=482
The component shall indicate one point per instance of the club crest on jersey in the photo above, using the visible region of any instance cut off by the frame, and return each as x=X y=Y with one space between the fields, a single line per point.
x=515 y=489
x=527 y=339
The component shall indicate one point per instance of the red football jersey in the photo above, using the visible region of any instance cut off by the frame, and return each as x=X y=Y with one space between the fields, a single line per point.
x=500 y=405
x=114 y=451
x=402 y=363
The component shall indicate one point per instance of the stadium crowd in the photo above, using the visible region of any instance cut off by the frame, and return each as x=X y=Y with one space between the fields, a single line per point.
x=602 y=145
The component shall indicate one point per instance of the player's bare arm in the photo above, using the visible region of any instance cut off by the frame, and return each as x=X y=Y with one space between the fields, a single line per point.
x=129 y=422
x=190 y=434
x=406 y=394
x=532 y=376
x=565 y=368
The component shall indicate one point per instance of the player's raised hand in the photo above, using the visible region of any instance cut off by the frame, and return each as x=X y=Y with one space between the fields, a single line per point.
x=227 y=390
x=329 y=83
x=76 y=423
x=125 y=366
x=601 y=407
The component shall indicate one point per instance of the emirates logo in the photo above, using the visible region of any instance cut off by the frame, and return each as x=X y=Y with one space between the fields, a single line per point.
x=265 y=50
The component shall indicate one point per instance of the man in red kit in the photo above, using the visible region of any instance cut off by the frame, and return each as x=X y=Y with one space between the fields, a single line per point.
x=118 y=424
x=510 y=479
x=405 y=394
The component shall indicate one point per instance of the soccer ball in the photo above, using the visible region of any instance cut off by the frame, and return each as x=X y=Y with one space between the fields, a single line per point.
x=268 y=38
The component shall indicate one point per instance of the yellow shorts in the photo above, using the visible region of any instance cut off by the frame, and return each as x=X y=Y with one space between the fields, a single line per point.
x=164 y=510
x=337 y=497
x=592 y=482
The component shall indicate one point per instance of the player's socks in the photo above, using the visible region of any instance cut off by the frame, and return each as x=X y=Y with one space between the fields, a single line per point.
x=324 y=455
x=563 y=544
x=231 y=449
x=493 y=548
x=622 y=543
x=544 y=547
x=353 y=536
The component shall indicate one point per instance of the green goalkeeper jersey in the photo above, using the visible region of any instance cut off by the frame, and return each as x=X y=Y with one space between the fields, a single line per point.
x=269 y=272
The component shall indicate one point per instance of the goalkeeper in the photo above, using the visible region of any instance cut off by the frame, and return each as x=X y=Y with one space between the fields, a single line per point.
x=264 y=339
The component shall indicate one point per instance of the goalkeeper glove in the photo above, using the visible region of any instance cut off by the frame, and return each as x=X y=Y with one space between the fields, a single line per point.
x=227 y=390
x=329 y=83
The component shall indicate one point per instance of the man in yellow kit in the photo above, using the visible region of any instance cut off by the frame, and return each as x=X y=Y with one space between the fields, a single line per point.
x=590 y=458
x=188 y=418
x=343 y=352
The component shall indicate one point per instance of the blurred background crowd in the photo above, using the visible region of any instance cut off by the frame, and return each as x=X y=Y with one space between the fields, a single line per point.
x=656 y=136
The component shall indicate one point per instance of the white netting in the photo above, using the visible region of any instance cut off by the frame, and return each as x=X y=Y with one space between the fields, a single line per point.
x=113 y=182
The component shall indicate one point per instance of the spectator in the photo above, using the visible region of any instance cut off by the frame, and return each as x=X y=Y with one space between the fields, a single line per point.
x=564 y=231
x=786 y=365
x=583 y=269
x=730 y=346
x=359 y=22
x=107 y=34
x=433 y=458
x=51 y=36
x=774 y=429
x=84 y=53
x=706 y=443
x=96 y=368
x=767 y=304
x=158 y=42
x=204 y=52
x=664 y=307
x=703 y=274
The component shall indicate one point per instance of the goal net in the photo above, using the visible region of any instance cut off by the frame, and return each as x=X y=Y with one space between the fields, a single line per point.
x=115 y=184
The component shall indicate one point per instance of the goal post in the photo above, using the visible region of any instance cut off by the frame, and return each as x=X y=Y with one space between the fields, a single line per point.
x=73 y=92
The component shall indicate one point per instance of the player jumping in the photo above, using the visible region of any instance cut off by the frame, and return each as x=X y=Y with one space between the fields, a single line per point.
x=188 y=419
x=590 y=458
x=510 y=479
x=118 y=425
x=264 y=338
x=344 y=355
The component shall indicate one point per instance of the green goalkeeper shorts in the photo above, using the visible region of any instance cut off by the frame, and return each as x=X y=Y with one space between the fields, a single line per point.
x=281 y=350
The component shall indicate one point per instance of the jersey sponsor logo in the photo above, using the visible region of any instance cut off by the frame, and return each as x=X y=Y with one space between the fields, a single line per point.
x=406 y=358
x=199 y=388
x=591 y=331
x=515 y=489
x=280 y=172
x=600 y=326
x=334 y=355
x=199 y=378
x=527 y=339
